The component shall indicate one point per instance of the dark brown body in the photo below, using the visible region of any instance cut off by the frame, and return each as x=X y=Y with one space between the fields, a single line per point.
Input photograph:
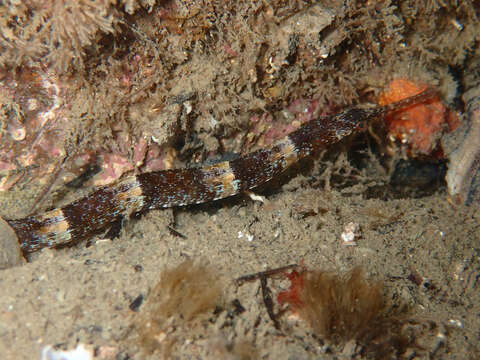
x=162 y=189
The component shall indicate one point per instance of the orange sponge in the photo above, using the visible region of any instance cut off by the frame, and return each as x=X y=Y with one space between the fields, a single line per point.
x=419 y=127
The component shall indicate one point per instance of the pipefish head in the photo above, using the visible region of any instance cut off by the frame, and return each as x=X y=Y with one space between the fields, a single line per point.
x=364 y=115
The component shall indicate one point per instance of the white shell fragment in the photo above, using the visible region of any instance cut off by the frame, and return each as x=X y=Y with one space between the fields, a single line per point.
x=81 y=352
x=350 y=233
x=255 y=197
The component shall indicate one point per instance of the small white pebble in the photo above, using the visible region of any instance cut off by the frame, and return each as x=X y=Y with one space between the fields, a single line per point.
x=155 y=140
x=188 y=107
x=247 y=236
x=18 y=134
x=79 y=353
x=255 y=197
x=350 y=233
x=456 y=323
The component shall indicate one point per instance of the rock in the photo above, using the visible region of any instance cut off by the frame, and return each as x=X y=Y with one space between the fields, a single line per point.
x=10 y=252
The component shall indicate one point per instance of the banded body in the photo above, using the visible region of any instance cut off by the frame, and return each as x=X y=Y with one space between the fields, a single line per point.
x=163 y=189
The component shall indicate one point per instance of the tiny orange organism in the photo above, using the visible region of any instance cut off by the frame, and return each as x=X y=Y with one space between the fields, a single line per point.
x=293 y=294
x=419 y=127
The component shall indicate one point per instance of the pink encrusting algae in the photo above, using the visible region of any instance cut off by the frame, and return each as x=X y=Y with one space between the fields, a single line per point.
x=266 y=129
x=32 y=140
